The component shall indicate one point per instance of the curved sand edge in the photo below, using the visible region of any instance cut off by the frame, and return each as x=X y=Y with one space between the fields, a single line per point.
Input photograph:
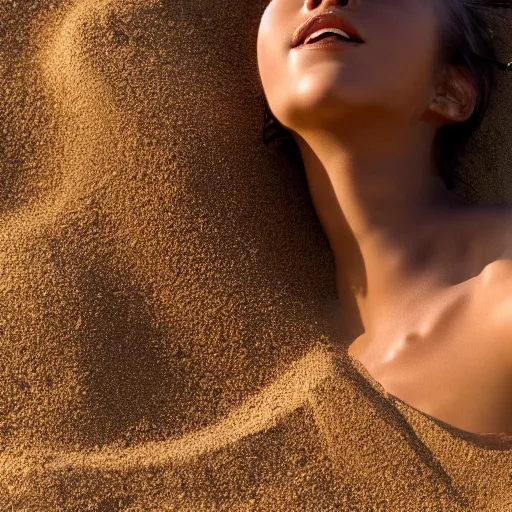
x=259 y=413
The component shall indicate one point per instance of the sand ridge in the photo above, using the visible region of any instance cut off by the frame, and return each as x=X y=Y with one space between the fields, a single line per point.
x=259 y=413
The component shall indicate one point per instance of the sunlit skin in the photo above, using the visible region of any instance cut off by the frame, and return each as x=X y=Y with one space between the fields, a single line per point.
x=431 y=272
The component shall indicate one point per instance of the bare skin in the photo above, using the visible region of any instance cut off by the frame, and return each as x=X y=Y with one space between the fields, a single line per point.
x=430 y=271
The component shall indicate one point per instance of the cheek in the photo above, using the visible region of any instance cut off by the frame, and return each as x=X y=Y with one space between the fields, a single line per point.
x=398 y=71
x=271 y=57
x=412 y=68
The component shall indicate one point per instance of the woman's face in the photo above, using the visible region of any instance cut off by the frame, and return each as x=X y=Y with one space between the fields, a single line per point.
x=391 y=73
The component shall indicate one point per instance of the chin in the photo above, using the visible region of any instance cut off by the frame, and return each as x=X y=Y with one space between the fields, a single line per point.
x=317 y=102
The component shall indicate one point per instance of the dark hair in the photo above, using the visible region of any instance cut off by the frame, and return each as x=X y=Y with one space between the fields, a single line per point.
x=466 y=42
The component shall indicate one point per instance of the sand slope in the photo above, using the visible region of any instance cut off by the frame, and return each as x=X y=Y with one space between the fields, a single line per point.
x=311 y=440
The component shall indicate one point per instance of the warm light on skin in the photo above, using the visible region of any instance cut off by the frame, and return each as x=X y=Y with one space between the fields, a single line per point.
x=324 y=88
x=365 y=121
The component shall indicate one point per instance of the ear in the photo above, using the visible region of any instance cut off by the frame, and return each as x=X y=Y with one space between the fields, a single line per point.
x=454 y=98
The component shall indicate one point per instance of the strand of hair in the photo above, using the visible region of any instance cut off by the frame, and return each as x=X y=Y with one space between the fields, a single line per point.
x=494 y=4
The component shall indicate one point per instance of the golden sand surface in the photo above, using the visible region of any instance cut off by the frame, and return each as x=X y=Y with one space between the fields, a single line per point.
x=165 y=285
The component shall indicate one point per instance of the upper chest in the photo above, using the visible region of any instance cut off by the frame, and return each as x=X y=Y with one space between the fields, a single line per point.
x=454 y=365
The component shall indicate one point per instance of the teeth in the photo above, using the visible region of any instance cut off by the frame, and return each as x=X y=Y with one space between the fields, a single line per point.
x=332 y=30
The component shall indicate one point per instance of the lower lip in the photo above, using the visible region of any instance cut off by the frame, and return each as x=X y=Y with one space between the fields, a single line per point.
x=328 y=43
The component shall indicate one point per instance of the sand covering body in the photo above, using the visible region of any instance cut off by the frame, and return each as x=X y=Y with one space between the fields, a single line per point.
x=325 y=436
x=164 y=283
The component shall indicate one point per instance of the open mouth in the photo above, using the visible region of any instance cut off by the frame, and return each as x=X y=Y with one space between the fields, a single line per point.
x=327 y=27
x=332 y=35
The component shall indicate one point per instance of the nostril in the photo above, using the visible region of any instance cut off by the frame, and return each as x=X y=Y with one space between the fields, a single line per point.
x=313 y=4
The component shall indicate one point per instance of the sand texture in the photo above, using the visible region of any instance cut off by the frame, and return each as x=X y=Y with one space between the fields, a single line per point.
x=165 y=286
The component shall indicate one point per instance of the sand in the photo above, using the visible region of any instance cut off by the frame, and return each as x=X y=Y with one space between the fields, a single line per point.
x=166 y=288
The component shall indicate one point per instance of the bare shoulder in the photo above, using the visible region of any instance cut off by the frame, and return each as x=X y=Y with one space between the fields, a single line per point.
x=494 y=284
x=497 y=239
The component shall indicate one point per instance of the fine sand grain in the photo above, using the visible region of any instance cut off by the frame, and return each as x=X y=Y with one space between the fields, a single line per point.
x=166 y=288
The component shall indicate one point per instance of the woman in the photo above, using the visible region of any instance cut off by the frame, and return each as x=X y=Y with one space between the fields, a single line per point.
x=380 y=97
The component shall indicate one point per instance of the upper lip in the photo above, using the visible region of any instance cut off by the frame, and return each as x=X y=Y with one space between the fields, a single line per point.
x=326 y=19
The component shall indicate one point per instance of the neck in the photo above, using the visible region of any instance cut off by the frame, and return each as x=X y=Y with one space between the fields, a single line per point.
x=383 y=214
